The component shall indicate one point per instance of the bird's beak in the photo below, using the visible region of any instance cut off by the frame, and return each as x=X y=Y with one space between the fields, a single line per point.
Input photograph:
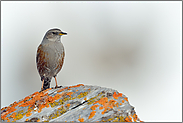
x=62 y=33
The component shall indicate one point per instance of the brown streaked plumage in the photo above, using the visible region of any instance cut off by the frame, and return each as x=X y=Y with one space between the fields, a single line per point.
x=50 y=57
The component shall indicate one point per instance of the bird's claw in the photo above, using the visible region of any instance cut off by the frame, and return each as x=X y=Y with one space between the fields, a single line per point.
x=56 y=87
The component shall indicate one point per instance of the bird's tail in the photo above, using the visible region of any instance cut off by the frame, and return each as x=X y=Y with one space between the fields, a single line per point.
x=46 y=83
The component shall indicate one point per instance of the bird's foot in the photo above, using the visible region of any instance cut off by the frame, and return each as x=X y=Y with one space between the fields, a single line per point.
x=42 y=89
x=56 y=87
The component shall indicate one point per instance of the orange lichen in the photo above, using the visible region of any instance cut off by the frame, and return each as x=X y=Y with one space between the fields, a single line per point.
x=35 y=93
x=117 y=95
x=128 y=119
x=4 y=108
x=76 y=90
x=111 y=101
x=76 y=86
x=135 y=117
x=40 y=100
x=13 y=115
x=41 y=107
x=8 y=120
x=61 y=107
x=57 y=96
x=102 y=101
x=126 y=98
x=50 y=99
x=103 y=112
x=35 y=97
x=4 y=118
x=28 y=114
x=26 y=98
x=123 y=101
x=120 y=103
x=60 y=90
x=39 y=110
x=85 y=98
x=47 y=105
x=70 y=93
x=9 y=110
x=101 y=107
x=81 y=119
x=68 y=105
x=107 y=105
x=92 y=114
x=27 y=119
x=94 y=107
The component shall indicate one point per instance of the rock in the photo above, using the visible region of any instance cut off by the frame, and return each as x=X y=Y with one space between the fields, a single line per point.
x=79 y=103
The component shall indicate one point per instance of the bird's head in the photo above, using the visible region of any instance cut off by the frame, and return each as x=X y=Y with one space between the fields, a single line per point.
x=54 y=34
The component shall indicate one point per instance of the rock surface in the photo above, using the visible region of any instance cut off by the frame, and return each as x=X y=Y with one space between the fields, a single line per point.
x=79 y=103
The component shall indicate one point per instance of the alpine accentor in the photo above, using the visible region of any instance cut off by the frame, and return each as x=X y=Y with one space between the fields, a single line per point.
x=50 y=57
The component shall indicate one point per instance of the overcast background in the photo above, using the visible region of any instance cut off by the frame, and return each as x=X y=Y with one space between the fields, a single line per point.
x=132 y=47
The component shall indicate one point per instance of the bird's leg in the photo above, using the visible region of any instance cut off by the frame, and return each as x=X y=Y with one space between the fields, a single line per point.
x=56 y=83
x=42 y=85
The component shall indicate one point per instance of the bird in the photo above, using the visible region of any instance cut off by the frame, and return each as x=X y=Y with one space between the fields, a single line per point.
x=50 y=57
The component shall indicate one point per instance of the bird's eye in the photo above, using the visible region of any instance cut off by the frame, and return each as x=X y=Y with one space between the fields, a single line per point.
x=55 y=33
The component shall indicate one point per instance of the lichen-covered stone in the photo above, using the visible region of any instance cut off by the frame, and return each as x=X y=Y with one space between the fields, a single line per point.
x=79 y=103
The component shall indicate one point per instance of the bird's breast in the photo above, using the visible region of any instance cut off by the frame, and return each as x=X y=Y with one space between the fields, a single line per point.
x=52 y=54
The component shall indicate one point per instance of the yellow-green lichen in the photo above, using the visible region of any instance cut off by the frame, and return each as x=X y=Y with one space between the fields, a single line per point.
x=21 y=111
x=65 y=99
x=82 y=95
x=18 y=116
x=52 y=105
x=61 y=102
x=58 y=113
x=114 y=119
x=92 y=100
x=121 y=119
x=62 y=111
x=69 y=98
x=56 y=103
x=110 y=119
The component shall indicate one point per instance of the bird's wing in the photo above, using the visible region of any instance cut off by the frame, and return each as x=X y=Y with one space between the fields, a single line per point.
x=41 y=60
x=60 y=63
